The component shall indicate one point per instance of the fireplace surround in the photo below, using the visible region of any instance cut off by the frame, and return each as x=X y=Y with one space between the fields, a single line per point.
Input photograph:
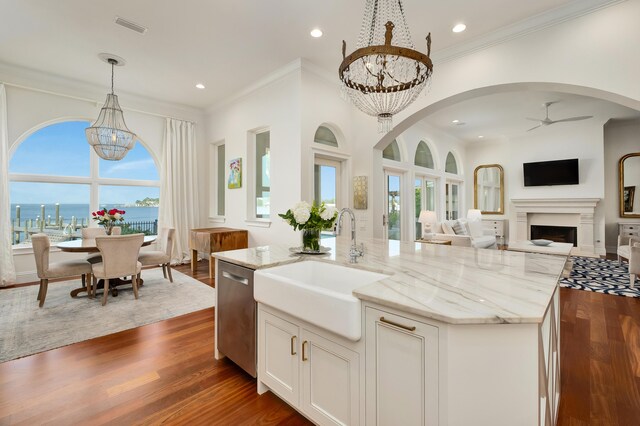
x=570 y=212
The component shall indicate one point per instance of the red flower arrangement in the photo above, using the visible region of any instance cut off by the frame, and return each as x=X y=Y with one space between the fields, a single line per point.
x=108 y=218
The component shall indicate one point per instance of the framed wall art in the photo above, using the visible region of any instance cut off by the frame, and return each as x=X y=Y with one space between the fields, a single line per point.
x=235 y=174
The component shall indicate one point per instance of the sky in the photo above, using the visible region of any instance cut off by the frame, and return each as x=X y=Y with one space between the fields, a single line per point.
x=62 y=149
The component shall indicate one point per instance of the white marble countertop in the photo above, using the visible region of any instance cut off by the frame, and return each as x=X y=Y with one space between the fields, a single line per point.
x=456 y=285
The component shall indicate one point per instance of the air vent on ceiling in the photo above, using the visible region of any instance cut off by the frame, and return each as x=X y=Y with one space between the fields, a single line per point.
x=131 y=25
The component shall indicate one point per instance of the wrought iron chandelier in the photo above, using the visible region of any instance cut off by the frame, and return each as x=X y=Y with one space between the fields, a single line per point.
x=381 y=78
x=109 y=135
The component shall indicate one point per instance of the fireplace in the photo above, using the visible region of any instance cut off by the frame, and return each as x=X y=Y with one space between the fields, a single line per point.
x=559 y=234
x=570 y=212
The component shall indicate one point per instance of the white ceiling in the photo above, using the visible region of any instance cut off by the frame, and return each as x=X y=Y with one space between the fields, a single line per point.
x=503 y=116
x=227 y=45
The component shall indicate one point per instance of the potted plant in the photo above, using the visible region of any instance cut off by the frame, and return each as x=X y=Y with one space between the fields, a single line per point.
x=310 y=219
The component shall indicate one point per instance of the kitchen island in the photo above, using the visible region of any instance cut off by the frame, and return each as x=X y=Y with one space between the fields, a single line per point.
x=450 y=335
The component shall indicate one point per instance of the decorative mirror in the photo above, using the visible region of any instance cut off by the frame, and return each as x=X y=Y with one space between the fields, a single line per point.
x=629 y=180
x=488 y=189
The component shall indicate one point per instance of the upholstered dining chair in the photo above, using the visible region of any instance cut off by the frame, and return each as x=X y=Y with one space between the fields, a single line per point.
x=629 y=248
x=160 y=257
x=91 y=233
x=119 y=259
x=46 y=271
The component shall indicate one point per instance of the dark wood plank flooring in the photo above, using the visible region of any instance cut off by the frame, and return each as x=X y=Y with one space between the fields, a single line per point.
x=165 y=373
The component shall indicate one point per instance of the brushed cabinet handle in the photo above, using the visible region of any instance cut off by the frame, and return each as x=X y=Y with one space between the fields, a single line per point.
x=405 y=327
x=293 y=345
x=304 y=356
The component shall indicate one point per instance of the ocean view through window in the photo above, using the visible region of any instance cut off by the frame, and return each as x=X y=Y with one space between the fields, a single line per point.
x=56 y=180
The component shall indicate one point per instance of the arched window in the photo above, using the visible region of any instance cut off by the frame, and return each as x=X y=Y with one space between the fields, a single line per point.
x=451 y=166
x=392 y=151
x=423 y=156
x=325 y=136
x=56 y=180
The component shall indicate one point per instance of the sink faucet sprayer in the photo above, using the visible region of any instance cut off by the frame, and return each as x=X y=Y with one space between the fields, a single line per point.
x=354 y=252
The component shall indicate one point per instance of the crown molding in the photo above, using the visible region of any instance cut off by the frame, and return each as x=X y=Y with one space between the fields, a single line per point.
x=55 y=85
x=322 y=73
x=267 y=80
x=564 y=13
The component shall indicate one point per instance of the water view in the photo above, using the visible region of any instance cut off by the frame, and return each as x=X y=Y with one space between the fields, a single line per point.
x=26 y=218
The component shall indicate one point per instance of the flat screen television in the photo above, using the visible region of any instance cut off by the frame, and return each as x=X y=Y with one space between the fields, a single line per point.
x=559 y=172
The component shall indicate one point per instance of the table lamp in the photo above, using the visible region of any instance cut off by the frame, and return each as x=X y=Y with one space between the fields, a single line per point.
x=427 y=219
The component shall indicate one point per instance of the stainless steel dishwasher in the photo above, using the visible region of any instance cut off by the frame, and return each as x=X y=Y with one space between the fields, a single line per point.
x=237 y=315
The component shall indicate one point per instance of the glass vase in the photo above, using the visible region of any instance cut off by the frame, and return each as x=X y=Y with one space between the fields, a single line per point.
x=108 y=228
x=311 y=240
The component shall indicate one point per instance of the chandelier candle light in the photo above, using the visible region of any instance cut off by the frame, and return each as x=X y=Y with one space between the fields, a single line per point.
x=381 y=78
x=109 y=135
x=310 y=219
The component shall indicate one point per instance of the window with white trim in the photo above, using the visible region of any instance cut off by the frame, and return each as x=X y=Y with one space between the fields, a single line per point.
x=217 y=180
x=262 y=176
x=56 y=180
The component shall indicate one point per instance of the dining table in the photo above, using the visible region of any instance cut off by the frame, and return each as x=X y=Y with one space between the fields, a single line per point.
x=88 y=245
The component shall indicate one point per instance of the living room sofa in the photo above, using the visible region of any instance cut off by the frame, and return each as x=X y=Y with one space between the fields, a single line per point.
x=470 y=234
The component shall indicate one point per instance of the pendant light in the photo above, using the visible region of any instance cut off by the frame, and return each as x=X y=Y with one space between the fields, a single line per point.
x=384 y=74
x=109 y=135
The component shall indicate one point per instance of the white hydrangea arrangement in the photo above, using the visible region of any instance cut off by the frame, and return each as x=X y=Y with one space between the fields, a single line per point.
x=310 y=216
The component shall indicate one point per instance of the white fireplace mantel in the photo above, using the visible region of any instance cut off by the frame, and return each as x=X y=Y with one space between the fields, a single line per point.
x=584 y=207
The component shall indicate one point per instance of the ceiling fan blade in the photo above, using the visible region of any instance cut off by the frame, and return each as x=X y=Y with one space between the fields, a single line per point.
x=533 y=128
x=533 y=119
x=582 y=117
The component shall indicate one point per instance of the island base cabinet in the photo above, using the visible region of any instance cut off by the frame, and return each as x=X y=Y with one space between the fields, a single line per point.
x=401 y=370
x=308 y=368
x=330 y=381
x=278 y=360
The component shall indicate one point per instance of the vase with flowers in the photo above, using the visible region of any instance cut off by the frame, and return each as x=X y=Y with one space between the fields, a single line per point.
x=108 y=218
x=310 y=219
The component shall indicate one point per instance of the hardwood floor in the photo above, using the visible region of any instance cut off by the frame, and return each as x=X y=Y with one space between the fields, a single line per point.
x=600 y=359
x=165 y=373
x=162 y=373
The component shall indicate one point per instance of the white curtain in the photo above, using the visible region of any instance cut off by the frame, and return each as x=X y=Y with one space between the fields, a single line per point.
x=7 y=268
x=179 y=205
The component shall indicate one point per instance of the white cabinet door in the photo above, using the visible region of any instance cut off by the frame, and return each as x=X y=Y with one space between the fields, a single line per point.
x=278 y=365
x=401 y=370
x=330 y=381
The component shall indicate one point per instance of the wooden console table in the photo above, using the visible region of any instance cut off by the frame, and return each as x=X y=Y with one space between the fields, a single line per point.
x=212 y=240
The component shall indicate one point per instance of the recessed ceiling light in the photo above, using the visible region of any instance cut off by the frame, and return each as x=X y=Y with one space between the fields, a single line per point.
x=480 y=137
x=316 y=32
x=199 y=86
x=455 y=121
x=459 y=28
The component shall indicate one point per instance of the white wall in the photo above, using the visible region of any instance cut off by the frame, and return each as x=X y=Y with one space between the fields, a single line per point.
x=28 y=110
x=620 y=138
x=275 y=106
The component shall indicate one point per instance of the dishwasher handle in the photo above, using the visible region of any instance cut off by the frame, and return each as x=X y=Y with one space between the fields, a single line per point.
x=236 y=278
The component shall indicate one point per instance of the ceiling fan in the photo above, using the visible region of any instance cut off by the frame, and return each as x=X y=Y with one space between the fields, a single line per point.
x=547 y=121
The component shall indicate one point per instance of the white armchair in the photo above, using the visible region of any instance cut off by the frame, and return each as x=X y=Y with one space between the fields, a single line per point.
x=629 y=248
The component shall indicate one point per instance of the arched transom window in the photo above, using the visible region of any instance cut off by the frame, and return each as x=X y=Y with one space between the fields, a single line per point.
x=423 y=157
x=325 y=136
x=451 y=165
x=392 y=151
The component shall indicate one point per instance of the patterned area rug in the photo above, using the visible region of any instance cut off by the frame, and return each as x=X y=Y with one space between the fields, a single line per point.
x=26 y=329
x=601 y=276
